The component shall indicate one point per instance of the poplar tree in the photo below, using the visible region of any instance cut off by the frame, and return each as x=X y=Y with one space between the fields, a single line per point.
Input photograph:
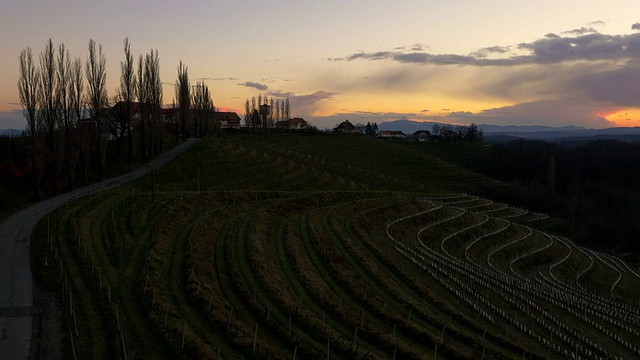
x=183 y=95
x=96 y=70
x=28 y=88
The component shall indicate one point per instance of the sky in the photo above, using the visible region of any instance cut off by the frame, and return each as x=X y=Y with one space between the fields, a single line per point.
x=504 y=62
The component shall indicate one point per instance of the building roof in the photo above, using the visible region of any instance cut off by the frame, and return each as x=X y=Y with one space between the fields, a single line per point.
x=391 y=132
x=422 y=132
x=345 y=125
x=227 y=116
x=292 y=123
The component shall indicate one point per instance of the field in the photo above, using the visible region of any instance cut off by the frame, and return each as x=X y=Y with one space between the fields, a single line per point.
x=317 y=247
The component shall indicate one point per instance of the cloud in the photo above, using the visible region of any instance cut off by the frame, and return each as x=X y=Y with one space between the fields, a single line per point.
x=424 y=110
x=596 y=23
x=217 y=78
x=635 y=26
x=484 y=52
x=581 y=44
x=554 y=112
x=581 y=31
x=305 y=105
x=256 y=85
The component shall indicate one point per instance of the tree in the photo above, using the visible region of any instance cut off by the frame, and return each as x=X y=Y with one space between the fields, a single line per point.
x=369 y=130
x=183 y=94
x=49 y=113
x=143 y=97
x=247 y=114
x=28 y=88
x=96 y=69
x=287 y=110
x=82 y=141
x=126 y=94
x=437 y=130
x=65 y=105
x=472 y=133
x=204 y=119
x=153 y=83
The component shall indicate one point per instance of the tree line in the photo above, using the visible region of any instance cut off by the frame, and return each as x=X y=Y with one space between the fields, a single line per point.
x=70 y=116
x=593 y=185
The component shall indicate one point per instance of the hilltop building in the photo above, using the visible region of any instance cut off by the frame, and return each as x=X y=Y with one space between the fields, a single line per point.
x=292 y=124
x=345 y=127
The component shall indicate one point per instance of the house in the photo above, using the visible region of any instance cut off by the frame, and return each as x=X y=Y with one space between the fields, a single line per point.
x=391 y=134
x=227 y=119
x=422 y=135
x=293 y=124
x=345 y=127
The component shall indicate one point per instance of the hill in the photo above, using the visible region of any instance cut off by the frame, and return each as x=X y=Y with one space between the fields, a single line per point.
x=325 y=247
x=503 y=133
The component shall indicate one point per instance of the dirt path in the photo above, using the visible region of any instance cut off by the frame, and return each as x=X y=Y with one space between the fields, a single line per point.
x=17 y=311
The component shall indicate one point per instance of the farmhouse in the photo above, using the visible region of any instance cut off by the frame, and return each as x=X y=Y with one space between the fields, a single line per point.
x=345 y=127
x=228 y=120
x=422 y=135
x=391 y=134
x=292 y=124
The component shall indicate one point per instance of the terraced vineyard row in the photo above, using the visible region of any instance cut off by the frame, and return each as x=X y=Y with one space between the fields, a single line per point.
x=252 y=251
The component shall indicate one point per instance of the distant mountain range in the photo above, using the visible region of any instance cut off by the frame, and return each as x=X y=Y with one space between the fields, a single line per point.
x=510 y=132
x=10 y=132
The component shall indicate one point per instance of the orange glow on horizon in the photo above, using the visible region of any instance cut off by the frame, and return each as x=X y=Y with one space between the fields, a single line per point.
x=624 y=117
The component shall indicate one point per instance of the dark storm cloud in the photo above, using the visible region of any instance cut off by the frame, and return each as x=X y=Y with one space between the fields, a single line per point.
x=635 y=26
x=582 y=44
x=619 y=86
x=255 y=85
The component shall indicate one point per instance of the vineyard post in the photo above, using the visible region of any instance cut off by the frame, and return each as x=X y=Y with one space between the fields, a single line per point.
x=355 y=340
x=229 y=321
x=73 y=346
x=184 y=328
x=255 y=337
x=328 y=340
x=124 y=348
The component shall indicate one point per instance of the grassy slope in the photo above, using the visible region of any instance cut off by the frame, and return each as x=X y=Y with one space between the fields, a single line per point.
x=280 y=246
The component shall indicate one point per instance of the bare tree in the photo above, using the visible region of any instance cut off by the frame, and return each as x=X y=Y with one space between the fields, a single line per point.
x=276 y=110
x=204 y=113
x=126 y=94
x=271 y=113
x=65 y=106
x=143 y=98
x=287 y=110
x=96 y=69
x=49 y=113
x=247 y=114
x=28 y=88
x=183 y=95
x=154 y=92
x=82 y=141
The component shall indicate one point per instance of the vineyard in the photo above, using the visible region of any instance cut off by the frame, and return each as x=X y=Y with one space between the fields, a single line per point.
x=324 y=248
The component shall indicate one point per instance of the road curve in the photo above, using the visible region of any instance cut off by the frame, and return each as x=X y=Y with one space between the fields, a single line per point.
x=16 y=282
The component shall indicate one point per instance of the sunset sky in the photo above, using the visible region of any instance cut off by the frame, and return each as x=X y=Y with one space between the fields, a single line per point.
x=503 y=62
